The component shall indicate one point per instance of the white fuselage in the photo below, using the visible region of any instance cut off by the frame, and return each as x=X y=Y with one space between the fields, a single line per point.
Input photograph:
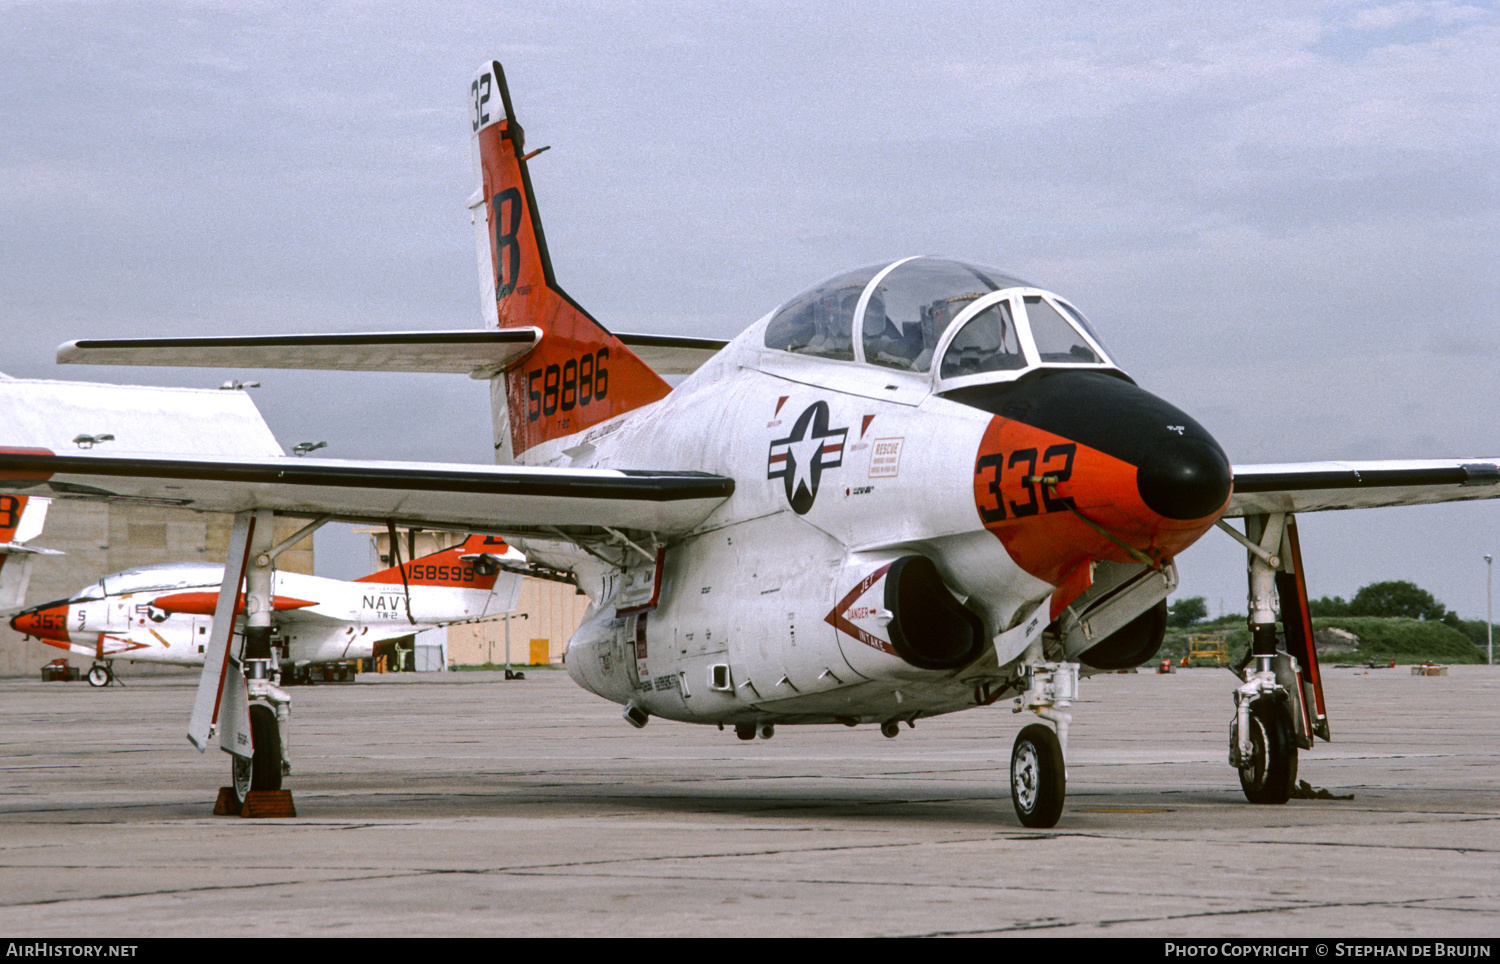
x=755 y=588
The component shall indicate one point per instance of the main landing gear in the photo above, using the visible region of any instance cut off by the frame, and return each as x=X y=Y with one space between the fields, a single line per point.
x=101 y=674
x=1279 y=706
x=1269 y=771
x=263 y=770
x=1038 y=769
x=239 y=692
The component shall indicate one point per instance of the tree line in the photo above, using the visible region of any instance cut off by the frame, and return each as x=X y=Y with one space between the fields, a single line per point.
x=1396 y=599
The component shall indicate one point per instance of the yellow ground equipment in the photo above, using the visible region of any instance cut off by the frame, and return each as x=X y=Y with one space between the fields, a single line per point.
x=1208 y=649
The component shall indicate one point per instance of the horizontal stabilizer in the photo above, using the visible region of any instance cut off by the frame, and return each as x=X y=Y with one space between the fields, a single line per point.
x=484 y=498
x=1316 y=486
x=673 y=354
x=16 y=548
x=476 y=352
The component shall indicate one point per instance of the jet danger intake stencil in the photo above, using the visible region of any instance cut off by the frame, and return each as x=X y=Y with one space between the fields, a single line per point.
x=859 y=612
x=800 y=458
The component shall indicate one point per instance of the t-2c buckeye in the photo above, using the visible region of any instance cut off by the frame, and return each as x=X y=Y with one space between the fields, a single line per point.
x=919 y=487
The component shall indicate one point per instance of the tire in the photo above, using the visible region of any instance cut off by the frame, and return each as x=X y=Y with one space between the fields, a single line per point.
x=1038 y=779
x=1271 y=771
x=239 y=778
x=99 y=675
x=265 y=736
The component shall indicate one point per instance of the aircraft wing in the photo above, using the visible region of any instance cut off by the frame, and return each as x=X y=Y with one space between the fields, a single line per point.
x=482 y=498
x=479 y=353
x=1318 y=486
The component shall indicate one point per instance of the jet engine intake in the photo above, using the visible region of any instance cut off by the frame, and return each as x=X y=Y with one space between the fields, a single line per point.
x=929 y=628
x=1131 y=645
x=1119 y=621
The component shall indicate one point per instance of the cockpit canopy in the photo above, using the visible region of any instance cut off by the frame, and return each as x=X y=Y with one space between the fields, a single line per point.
x=168 y=575
x=902 y=316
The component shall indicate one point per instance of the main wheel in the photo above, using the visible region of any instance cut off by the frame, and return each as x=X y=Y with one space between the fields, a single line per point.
x=1270 y=772
x=265 y=766
x=239 y=778
x=99 y=675
x=1038 y=781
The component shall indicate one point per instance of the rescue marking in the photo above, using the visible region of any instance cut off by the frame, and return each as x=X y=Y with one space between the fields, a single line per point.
x=885 y=460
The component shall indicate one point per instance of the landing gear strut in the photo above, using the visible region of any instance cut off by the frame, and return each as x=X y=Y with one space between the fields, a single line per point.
x=1038 y=770
x=238 y=692
x=1277 y=709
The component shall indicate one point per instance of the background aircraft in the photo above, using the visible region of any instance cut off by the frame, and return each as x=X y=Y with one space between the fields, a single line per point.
x=21 y=520
x=164 y=613
x=1011 y=502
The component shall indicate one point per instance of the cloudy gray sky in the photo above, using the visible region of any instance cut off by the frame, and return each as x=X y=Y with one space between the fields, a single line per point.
x=1282 y=216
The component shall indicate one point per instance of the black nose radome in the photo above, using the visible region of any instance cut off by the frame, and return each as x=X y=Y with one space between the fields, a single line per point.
x=1184 y=478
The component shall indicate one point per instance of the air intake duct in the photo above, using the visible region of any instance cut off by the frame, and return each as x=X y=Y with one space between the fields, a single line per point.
x=929 y=628
x=1131 y=645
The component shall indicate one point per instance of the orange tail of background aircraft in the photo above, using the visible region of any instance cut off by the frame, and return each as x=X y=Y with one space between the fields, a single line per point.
x=455 y=566
x=579 y=374
x=12 y=507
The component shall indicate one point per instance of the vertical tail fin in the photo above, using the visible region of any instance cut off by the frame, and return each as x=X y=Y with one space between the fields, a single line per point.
x=21 y=518
x=579 y=374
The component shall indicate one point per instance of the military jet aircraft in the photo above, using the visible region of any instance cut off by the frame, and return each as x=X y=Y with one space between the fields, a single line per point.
x=163 y=613
x=919 y=487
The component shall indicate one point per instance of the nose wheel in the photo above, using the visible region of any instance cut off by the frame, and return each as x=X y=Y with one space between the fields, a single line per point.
x=1038 y=779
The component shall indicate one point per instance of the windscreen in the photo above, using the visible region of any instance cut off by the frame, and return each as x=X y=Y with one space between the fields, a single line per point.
x=986 y=343
x=1056 y=340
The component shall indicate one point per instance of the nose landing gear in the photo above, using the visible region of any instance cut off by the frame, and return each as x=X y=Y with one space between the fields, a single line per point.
x=101 y=674
x=1038 y=779
x=1038 y=769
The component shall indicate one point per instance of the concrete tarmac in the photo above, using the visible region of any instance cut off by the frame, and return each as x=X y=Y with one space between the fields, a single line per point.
x=462 y=804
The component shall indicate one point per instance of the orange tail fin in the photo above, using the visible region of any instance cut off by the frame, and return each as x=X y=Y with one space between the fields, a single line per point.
x=445 y=568
x=579 y=374
x=12 y=507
